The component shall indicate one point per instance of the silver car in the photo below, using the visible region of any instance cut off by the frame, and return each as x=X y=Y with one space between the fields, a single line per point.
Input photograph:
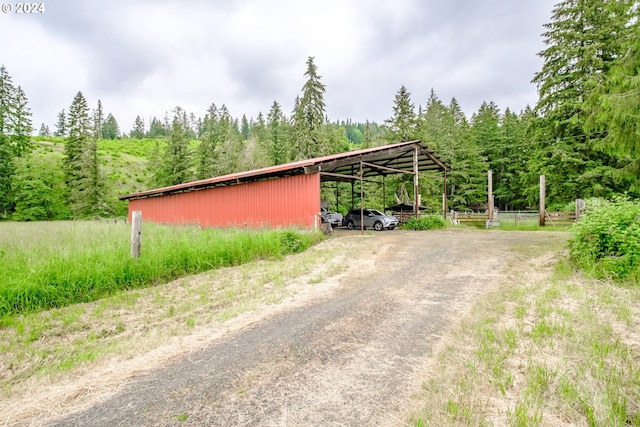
x=372 y=219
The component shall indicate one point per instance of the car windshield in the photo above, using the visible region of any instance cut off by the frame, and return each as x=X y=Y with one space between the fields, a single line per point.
x=375 y=212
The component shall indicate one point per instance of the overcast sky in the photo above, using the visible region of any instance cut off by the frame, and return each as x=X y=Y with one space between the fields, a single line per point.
x=145 y=57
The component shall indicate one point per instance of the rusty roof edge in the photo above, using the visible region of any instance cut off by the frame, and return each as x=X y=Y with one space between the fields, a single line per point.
x=193 y=185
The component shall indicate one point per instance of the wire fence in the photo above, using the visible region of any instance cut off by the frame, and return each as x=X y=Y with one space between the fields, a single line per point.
x=517 y=217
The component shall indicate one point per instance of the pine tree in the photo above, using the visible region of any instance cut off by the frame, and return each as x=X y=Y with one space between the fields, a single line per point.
x=110 y=128
x=244 y=127
x=402 y=126
x=206 y=161
x=15 y=135
x=15 y=116
x=44 y=130
x=7 y=102
x=156 y=129
x=258 y=129
x=80 y=128
x=138 y=131
x=613 y=109
x=61 y=125
x=98 y=120
x=7 y=170
x=583 y=41
x=277 y=135
x=309 y=137
x=175 y=165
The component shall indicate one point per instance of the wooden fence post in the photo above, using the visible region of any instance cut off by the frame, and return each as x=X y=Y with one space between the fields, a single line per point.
x=136 y=231
x=542 y=200
x=580 y=205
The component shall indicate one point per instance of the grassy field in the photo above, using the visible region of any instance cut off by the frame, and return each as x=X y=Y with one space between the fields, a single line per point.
x=55 y=264
x=550 y=347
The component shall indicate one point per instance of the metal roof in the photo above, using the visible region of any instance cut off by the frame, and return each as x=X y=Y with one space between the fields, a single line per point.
x=382 y=160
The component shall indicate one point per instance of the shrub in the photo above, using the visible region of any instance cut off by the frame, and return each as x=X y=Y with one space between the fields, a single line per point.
x=606 y=240
x=424 y=223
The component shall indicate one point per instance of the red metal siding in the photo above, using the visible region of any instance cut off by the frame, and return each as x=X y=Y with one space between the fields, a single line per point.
x=293 y=200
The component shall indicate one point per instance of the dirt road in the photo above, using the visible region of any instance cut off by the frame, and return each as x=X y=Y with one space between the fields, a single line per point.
x=353 y=355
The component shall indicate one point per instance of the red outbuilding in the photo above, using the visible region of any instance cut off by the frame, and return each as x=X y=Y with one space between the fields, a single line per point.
x=279 y=196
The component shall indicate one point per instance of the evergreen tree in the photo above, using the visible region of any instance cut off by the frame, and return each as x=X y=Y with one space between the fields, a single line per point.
x=22 y=127
x=309 y=136
x=507 y=162
x=7 y=170
x=229 y=143
x=8 y=104
x=206 y=160
x=244 y=127
x=110 y=128
x=613 y=109
x=39 y=189
x=175 y=165
x=156 y=129
x=258 y=129
x=15 y=117
x=61 y=125
x=80 y=126
x=92 y=184
x=402 y=126
x=98 y=120
x=583 y=41
x=44 y=130
x=15 y=135
x=138 y=131
x=277 y=135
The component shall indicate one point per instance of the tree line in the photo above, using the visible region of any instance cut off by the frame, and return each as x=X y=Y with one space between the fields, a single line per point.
x=582 y=133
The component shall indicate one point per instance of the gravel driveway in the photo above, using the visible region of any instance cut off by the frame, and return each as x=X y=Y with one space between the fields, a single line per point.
x=352 y=356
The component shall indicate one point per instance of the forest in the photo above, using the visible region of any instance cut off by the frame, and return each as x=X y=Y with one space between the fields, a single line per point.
x=582 y=134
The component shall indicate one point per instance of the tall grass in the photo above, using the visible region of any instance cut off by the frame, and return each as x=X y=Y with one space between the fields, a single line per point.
x=46 y=265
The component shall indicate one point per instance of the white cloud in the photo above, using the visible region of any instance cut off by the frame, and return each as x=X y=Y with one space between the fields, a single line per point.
x=144 y=58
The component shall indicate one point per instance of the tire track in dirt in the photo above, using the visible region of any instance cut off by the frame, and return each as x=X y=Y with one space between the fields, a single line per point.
x=353 y=357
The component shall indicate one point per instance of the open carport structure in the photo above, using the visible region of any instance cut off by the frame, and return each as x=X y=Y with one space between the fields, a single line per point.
x=282 y=195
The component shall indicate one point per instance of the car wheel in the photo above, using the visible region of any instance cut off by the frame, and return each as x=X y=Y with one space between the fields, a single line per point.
x=378 y=226
x=351 y=225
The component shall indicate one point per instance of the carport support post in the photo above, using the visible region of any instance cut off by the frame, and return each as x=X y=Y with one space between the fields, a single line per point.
x=353 y=205
x=415 y=183
x=444 y=197
x=361 y=201
x=490 y=180
x=384 y=195
x=542 y=199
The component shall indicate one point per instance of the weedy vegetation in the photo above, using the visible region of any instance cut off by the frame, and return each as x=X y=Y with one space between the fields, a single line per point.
x=551 y=346
x=56 y=264
x=606 y=241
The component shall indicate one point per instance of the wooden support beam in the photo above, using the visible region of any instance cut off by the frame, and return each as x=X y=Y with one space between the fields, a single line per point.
x=372 y=165
x=490 y=193
x=542 y=199
x=444 y=197
x=361 y=201
x=415 y=183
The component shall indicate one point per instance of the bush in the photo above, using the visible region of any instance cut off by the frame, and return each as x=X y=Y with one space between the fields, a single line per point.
x=424 y=223
x=606 y=240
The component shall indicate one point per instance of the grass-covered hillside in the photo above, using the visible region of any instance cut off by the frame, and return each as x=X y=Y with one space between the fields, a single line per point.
x=39 y=182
